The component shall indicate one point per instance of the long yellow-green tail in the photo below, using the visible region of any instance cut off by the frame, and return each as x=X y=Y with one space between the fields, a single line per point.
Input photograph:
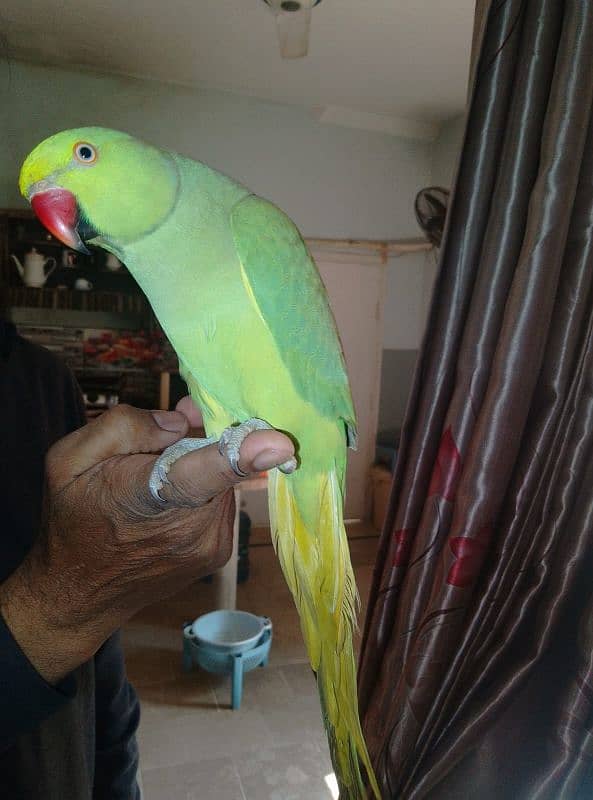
x=310 y=539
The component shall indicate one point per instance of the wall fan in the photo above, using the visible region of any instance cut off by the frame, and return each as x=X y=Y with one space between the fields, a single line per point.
x=293 y=18
x=431 y=211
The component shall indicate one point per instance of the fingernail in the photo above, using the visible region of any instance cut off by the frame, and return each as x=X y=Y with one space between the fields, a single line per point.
x=268 y=459
x=172 y=421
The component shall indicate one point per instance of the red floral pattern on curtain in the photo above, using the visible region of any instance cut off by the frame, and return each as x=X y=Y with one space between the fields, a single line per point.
x=447 y=469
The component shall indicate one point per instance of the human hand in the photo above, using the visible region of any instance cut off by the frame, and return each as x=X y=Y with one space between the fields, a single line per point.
x=107 y=547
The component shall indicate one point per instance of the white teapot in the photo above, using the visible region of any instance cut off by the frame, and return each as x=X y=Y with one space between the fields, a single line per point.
x=33 y=273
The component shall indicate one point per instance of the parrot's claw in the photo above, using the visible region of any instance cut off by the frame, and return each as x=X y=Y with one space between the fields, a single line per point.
x=232 y=438
x=158 y=476
x=229 y=445
x=230 y=442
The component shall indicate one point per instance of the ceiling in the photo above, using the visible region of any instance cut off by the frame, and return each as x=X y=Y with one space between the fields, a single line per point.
x=402 y=60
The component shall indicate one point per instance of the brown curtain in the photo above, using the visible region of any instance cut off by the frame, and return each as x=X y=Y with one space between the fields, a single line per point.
x=476 y=676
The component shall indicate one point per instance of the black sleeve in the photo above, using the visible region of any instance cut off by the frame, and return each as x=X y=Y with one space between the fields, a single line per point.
x=117 y=716
x=26 y=698
x=39 y=403
x=117 y=710
x=74 y=410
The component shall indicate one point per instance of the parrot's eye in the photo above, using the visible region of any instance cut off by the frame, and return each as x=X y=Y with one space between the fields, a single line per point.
x=85 y=153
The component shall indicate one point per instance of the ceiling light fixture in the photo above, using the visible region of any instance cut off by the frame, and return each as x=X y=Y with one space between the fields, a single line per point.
x=293 y=18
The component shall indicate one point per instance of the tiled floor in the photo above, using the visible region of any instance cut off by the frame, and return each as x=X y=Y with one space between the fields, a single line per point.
x=192 y=746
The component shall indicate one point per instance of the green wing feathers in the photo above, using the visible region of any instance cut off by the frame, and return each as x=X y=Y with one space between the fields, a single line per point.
x=306 y=508
x=283 y=282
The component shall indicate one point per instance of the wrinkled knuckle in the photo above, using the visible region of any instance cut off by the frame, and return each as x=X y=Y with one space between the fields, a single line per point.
x=225 y=475
x=121 y=416
x=183 y=547
x=126 y=425
x=121 y=410
x=120 y=496
x=181 y=493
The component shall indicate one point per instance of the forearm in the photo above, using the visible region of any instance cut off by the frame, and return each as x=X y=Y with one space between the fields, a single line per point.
x=35 y=618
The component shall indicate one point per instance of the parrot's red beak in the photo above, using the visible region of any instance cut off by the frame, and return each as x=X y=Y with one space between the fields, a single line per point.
x=57 y=210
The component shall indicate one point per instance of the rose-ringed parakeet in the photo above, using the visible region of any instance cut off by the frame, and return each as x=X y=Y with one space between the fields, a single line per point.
x=234 y=287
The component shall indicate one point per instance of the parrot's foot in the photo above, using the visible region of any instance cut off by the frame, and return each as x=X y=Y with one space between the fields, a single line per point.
x=158 y=476
x=229 y=445
x=232 y=438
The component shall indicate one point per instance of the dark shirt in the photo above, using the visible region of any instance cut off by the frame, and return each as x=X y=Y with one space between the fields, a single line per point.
x=75 y=740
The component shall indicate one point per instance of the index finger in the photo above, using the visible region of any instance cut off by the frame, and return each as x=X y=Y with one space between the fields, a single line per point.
x=199 y=476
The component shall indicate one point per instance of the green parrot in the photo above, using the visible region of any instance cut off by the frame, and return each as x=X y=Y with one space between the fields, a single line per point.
x=238 y=294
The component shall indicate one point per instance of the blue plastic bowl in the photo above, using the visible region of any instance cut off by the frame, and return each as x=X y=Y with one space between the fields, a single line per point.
x=228 y=631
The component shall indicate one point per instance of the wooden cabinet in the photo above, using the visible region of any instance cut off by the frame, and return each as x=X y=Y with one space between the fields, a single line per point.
x=112 y=292
x=106 y=332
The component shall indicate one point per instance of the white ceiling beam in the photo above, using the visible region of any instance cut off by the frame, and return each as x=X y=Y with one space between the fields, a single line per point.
x=380 y=123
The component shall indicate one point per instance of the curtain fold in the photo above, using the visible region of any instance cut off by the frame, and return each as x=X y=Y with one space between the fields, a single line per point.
x=476 y=667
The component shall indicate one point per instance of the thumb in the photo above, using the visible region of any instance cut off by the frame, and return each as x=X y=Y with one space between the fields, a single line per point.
x=199 y=476
x=120 y=431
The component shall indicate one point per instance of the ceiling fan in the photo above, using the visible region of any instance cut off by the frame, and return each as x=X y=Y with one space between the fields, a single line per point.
x=293 y=18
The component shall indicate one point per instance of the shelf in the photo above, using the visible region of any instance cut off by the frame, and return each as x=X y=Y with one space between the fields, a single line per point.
x=69 y=318
x=104 y=372
x=99 y=299
x=24 y=213
x=28 y=243
x=107 y=373
x=356 y=249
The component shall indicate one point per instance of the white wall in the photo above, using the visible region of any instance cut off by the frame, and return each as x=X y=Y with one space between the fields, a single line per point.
x=410 y=277
x=403 y=322
x=333 y=181
x=445 y=152
x=409 y=292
